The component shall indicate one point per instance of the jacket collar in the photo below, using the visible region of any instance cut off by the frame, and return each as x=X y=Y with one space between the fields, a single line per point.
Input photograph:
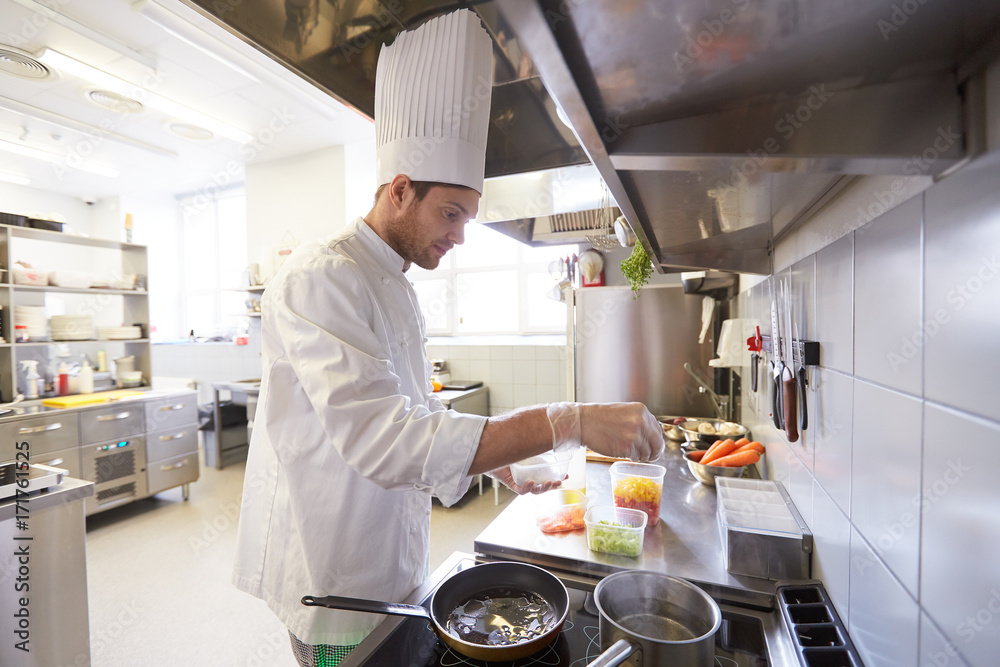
x=388 y=259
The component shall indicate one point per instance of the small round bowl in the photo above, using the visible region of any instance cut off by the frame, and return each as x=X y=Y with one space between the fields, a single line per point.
x=707 y=474
x=671 y=431
x=692 y=434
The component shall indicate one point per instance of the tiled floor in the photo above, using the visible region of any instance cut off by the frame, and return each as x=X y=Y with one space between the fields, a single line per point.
x=158 y=577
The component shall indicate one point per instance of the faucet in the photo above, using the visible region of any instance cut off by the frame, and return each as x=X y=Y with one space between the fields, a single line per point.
x=704 y=387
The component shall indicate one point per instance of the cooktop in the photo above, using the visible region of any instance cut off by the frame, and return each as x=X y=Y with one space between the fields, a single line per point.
x=739 y=643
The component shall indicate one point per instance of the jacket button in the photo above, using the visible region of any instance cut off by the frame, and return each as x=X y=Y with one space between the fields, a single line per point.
x=385 y=281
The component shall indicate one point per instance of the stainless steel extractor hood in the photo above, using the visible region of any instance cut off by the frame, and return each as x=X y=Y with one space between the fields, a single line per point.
x=716 y=124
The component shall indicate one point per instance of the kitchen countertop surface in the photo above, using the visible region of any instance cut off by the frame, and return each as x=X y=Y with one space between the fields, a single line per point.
x=68 y=490
x=685 y=542
x=34 y=407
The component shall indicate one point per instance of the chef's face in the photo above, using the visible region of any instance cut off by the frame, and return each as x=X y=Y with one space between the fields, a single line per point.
x=426 y=229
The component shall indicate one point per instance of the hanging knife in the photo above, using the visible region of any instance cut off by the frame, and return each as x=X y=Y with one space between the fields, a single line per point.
x=801 y=375
x=789 y=383
x=776 y=410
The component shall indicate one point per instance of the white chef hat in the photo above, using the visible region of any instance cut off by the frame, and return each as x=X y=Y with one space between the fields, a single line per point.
x=432 y=102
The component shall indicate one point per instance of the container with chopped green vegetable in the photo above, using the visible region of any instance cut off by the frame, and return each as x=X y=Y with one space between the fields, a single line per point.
x=615 y=530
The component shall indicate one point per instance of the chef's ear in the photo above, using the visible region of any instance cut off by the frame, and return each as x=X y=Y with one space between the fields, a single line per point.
x=398 y=188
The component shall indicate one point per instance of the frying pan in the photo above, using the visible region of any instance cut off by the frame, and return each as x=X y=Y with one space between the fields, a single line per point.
x=461 y=587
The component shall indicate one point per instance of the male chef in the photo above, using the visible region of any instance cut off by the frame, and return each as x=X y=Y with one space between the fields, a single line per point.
x=349 y=444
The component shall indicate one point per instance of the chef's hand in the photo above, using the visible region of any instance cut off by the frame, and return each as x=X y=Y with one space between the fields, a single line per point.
x=504 y=475
x=621 y=430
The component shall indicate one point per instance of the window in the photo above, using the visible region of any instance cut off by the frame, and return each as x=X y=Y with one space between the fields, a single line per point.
x=214 y=261
x=492 y=284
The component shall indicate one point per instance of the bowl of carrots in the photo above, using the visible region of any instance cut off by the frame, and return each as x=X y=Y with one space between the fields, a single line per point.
x=725 y=458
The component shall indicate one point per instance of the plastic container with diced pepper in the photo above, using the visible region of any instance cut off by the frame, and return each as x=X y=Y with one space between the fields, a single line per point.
x=638 y=486
x=560 y=510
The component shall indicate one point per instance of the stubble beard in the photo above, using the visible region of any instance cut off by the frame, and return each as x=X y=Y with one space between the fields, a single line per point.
x=404 y=237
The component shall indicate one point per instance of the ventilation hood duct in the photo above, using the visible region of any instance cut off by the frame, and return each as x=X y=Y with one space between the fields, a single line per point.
x=718 y=125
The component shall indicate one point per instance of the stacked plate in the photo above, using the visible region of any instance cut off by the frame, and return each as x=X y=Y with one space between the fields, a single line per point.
x=119 y=333
x=32 y=317
x=71 y=327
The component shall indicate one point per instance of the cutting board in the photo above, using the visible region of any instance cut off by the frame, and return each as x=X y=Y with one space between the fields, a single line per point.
x=76 y=400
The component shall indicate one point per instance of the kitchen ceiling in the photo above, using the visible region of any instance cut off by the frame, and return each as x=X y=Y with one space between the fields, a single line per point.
x=74 y=130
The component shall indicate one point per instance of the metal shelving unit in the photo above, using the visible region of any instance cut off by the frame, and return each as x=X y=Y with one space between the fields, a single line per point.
x=133 y=259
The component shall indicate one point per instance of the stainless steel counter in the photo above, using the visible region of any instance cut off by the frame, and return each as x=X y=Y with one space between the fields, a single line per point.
x=685 y=542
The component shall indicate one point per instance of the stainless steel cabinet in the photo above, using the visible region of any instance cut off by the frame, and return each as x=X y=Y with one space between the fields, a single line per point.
x=118 y=421
x=45 y=433
x=176 y=471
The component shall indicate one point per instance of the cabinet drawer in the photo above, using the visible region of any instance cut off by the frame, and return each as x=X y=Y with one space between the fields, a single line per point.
x=163 y=413
x=118 y=421
x=67 y=459
x=173 y=472
x=43 y=434
x=172 y=442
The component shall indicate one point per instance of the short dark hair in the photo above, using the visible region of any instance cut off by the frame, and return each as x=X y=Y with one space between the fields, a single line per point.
x=420 y=189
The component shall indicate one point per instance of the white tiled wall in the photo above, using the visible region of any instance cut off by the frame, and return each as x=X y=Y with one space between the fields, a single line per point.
x=207 y=363
x=897 y=473
x=517 y=375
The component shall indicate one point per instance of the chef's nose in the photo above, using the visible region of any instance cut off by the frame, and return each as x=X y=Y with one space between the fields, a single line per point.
x=457 y=235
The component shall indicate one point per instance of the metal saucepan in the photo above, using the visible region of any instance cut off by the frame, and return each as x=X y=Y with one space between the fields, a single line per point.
x=459 y=589
x=651 y=619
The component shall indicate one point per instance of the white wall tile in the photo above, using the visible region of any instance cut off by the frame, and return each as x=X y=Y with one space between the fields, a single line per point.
x=800 y=487
x=502 y=395
x=524 y=394
x=831 y=423
x=887 y=298
x=935 y=649
x=835 y=304
x=884 y=622
x=479 y=352
x=886 y=476
x=523 y=352
x=548 y=372
x=479 y=369
x=524 y=371
x=961 y=524
x=501 y=353
x=548 y=393
x=501 y=370
x=549 y=352
x=962 y=301
x=459 y=369
x=831 y=559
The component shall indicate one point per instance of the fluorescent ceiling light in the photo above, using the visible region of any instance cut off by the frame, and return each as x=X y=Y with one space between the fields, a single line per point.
x=56 y=158
x=176 y=26
x=16 y=180
x=95 y=36
x=102 y=79
x=79 y=126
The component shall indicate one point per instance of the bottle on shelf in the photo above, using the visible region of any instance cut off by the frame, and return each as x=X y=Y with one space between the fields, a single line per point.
x=102 y=362
x=86 y=378
x=31 y=378
x=21 y=333
x=63 y=387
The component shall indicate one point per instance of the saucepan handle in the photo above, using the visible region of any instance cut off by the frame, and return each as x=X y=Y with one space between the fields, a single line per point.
x=370 y=606
x=615 y=655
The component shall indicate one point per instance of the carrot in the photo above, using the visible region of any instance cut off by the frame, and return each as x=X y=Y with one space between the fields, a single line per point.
x=724 y=449
x=755 y=446
x=715 y=446
x=737 y=460
x=741 y=442
x=697 y=455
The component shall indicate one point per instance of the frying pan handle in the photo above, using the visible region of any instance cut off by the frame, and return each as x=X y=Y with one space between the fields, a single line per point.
x=370 y=606
x=615 y=655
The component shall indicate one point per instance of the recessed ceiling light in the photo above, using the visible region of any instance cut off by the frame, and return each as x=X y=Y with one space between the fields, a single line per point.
x=192 y=132
x=18 y=63
x=108 y=99
x=150 y=99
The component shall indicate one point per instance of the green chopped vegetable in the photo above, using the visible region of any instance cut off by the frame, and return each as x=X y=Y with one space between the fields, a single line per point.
x=613 y=541
x=637 y=268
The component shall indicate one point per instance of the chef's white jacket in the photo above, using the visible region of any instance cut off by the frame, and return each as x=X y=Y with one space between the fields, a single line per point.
x=348 y=442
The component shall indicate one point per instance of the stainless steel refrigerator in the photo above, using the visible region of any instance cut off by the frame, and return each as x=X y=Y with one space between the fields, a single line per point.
x=634 y=349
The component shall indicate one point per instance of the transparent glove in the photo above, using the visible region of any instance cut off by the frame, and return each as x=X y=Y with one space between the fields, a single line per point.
x=507 y=479
x=621 y=430
x=564 y=419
